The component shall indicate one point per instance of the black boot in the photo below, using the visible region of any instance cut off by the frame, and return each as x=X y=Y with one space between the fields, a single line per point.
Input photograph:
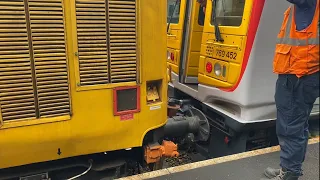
x=284 y=175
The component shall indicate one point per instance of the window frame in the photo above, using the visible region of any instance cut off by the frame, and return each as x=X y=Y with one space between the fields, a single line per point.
x=168 y=15
x=212 y=21
x=236 y=30
x=179 y=26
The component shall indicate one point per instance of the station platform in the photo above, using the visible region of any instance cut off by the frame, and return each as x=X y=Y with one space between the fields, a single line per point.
x=243 y=166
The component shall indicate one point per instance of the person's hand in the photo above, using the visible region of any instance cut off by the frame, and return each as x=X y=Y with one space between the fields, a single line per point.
x=203 y=4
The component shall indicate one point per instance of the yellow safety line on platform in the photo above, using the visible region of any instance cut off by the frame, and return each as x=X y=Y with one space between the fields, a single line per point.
x=204 y=163
x=209 y=162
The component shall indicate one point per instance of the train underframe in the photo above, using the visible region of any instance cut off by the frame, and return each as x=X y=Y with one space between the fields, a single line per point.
x=112 y=164
x=185 y=125
x=228 y=136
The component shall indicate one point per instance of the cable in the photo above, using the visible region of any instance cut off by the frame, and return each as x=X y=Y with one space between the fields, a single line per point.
x=85 y=172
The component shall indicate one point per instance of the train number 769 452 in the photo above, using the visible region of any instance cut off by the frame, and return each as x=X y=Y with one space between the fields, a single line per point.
x=227 y=54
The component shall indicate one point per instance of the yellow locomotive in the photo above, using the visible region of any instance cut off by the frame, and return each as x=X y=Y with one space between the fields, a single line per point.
x=79 y=77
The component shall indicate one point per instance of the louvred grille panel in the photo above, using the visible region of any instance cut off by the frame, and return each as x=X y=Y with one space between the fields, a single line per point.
x=123 y=54
x=106 y=41
x=33 y=66
x=16 y=86
x=92 y=41
x=47 y=31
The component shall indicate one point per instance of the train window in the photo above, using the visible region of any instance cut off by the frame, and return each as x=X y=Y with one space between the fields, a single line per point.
x=173 y=11
x=201 y=17
x=227 y=12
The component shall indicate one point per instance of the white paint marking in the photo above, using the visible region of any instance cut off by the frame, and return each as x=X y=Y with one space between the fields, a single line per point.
x=155 y=107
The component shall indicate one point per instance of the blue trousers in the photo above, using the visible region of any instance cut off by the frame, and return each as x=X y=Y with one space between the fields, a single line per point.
x=294 y=99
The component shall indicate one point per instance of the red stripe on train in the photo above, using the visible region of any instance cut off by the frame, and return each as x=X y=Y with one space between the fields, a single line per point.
x=257 y=9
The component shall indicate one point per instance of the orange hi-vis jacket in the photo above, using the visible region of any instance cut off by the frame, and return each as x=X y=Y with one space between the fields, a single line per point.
x=297 y=52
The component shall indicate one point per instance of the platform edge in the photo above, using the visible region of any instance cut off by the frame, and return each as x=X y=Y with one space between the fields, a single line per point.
x=209 y=162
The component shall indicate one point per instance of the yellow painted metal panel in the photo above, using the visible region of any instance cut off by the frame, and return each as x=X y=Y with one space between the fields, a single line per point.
x=234 y=72
x=201 y=68
x=206 y=80
x=194 y=59
x=231 y=52
x=192 y=71
x=174 y=39
x=92 y=127
x=152 y=40
x=232 y=44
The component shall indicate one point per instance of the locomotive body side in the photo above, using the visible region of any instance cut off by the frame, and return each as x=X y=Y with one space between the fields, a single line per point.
x=88 y=71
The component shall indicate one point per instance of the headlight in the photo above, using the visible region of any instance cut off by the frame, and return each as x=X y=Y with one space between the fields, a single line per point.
x=168 y=55
x=217 y=69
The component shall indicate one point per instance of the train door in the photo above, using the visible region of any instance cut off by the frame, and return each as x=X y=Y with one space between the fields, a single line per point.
x=184 y=39
x=175 y=18
x=190 y=55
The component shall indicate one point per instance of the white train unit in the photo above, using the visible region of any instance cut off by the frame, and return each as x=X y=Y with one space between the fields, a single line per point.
x=235 y=82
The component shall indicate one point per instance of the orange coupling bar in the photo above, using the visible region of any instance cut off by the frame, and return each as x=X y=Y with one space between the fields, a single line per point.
x=154 y=152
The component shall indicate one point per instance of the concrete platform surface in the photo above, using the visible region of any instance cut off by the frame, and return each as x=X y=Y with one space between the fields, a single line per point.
x=243 y=166
x=250 y=168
